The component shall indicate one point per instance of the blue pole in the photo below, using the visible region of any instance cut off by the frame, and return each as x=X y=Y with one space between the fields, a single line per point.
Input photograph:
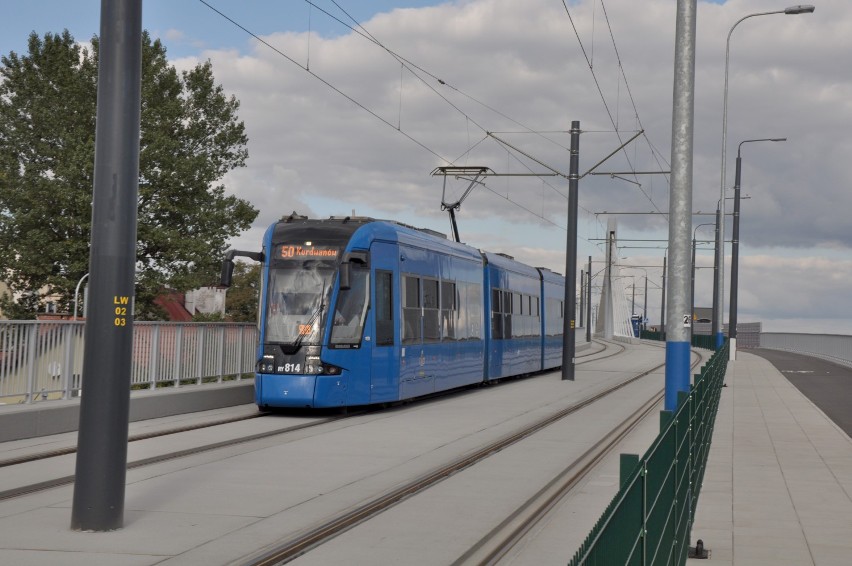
x=678 y=315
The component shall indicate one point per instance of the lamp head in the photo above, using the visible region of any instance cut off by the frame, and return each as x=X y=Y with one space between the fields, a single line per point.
x=800 y=9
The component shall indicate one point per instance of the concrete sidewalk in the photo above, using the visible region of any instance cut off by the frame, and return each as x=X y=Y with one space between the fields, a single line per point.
x=778 y=486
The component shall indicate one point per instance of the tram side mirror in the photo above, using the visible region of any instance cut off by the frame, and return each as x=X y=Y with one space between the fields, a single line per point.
x=227 y=273
x=345 y=275
x=346 y=267
x=228 y=264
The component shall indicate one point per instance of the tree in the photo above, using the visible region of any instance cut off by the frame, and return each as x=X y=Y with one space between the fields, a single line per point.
x=190 y=138
x=241 y=302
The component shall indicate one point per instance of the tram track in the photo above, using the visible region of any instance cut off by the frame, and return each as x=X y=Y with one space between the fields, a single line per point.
x=223 y=421
x=132 y=438
x=36 y=487
x=68 y=479
x=503 y=538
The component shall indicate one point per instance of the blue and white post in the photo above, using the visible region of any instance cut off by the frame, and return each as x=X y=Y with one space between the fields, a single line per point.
x=678 y=308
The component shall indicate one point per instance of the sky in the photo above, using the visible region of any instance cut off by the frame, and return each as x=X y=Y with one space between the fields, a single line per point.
x=356 y=117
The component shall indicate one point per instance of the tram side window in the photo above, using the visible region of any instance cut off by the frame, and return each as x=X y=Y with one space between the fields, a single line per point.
x=536 y=316
x=411 y=309
x=449 y=305
x=462 y=314
x=554 y=317
x=529 y=323
x=431 y=328
x=507 y=314
x=384 y=308
x=469 y=312
x=496 y=314
x=351 y=309
x=473 y=311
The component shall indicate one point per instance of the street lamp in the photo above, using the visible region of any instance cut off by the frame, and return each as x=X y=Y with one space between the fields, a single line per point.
x=735 y=248
x=719 y=299
x=77 y=294
x=692 y=290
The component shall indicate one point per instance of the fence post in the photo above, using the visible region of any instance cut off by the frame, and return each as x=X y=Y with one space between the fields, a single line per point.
x=32 y=346
x=154 y=356
x=239 y=363
x=199 y=353
x=684 y=505
x=178 y=354
x=222 y=331
x=67 y=358
x=644 y=511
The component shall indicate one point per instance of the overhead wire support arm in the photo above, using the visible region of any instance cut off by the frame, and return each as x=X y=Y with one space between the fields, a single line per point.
x=557 y=172
x=460 y=173
x=616 y=173
x=616 y=150
x=625 y=179
x=611 y=212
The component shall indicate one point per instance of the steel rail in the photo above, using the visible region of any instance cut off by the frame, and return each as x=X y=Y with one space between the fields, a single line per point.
x=293 y=548
x=68 y=479
x=217 y=422
x=65 y=480
x=131 y=438
x=503 y=538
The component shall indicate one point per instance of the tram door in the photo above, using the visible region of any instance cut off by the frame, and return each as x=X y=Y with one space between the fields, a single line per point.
x=385 y=299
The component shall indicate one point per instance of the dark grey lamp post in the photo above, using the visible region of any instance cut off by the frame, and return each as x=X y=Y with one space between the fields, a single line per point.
x=735 y=248
x=718 y=299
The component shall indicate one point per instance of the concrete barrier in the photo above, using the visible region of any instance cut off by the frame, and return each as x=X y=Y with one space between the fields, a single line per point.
x=55 y=417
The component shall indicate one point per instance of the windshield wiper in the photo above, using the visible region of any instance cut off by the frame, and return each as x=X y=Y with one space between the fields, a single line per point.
x=298 y=343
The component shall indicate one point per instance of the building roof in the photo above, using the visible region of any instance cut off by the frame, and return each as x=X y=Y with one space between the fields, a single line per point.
x=173 y=304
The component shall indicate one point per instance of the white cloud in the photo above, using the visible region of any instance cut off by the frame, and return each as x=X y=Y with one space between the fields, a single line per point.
x=314 y=151
x=173 y=35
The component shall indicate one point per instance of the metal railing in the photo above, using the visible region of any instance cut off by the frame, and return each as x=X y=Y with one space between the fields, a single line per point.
x=650 y=519
x=833 y=347
x=42 y=360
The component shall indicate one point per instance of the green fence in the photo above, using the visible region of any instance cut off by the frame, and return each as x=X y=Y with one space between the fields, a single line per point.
x=650 y=519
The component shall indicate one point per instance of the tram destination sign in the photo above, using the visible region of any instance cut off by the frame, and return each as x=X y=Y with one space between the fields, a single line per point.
x=305 y=251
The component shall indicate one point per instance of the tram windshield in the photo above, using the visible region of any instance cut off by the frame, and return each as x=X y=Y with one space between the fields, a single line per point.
x=298 y=296
x=351 y=309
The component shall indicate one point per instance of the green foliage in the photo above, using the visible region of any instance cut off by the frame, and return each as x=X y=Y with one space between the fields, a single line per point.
x=190 y=138
x=208 y=317
x=241 y=302
x=24 y=309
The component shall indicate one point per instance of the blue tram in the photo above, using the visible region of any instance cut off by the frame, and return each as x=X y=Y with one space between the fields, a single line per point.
x=357 y=311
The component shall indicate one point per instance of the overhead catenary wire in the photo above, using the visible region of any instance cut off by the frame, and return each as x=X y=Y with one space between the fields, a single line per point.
x=325 y=82
x=601 y=94
x=406 y=64
x=363 y=32
x=654 y=151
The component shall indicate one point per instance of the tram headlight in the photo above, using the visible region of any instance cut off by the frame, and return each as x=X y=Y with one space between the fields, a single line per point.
x=329 y=369
x=266 y=364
